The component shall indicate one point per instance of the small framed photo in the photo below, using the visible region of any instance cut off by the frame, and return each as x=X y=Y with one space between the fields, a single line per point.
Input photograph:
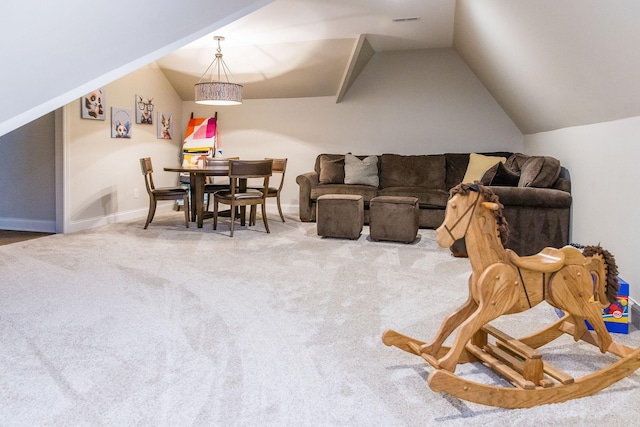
x=144 y=110
x=120 y=122
x=92 y=105
x=164 y=125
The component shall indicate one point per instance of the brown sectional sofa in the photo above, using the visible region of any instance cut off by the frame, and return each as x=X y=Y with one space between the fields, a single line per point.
x=538 y=216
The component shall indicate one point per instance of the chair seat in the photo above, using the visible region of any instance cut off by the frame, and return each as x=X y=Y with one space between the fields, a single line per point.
x=270 y=190
x=168 y=190
x=249 y=195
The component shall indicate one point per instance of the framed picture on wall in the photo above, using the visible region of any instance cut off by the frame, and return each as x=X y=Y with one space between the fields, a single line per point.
x=164 y=126
x=144 y=110
x=120 y=122
x=92 y=105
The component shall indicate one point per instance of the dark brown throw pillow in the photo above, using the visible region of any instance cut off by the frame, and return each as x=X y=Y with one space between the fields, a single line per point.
x=331 y=170
x=539 y=171
x=499 y=175
x=516 y=162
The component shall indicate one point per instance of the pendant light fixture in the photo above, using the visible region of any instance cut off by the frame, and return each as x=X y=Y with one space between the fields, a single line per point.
x=216 y=91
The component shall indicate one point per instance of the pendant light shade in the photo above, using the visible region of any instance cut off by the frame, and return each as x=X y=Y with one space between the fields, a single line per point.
x=217 y=91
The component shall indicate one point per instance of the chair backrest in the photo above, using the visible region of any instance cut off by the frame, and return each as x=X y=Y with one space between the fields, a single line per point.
x=218 y=163
x=250 y=168
x=147 y=171
x=279 y=166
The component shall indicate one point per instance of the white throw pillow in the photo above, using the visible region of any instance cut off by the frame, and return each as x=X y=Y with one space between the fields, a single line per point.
x=363 y=172
x=478 y=164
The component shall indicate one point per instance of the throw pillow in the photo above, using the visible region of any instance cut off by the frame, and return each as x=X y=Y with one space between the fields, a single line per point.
x=539 y=171
x=516 y=161
x=331 y=170
x=500 y=175
x=478 y=164
x=363 y=172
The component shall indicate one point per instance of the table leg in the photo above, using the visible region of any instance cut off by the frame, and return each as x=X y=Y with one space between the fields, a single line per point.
x=192 y=196
x=199 y=198
x=243 y=209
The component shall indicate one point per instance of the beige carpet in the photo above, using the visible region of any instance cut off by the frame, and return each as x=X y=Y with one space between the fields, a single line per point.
x=176 y=327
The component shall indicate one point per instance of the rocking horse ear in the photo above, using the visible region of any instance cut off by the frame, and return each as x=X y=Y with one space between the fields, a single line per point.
x=491 y=206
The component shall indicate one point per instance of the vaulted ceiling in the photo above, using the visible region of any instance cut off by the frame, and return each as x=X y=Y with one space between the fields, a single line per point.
x=549 y=64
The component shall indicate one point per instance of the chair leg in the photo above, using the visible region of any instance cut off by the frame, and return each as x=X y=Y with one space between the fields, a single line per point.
x=264 y=217
x=185 y=201
x=279 y=207
x=233 y=218
x=152 y=211
x=215 y=214
x=252 y=215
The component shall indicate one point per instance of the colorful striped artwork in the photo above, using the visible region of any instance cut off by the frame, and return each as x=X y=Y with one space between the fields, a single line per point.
x=201 y=135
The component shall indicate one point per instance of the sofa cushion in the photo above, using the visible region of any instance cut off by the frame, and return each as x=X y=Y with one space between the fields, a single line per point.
x=366 y=191
x=427 y=171
x=478 y=164
x=539 y=171
x=427 y=197
x=516 y=161
x=546 y=198
x=331 y=170
x=363 y=172
x=499 y=175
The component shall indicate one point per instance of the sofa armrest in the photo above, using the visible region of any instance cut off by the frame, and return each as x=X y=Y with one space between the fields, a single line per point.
x=306 y=181
x=533 y=197
x=564 y=181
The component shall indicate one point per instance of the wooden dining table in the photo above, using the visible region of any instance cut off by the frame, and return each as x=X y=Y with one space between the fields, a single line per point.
x=197 y=179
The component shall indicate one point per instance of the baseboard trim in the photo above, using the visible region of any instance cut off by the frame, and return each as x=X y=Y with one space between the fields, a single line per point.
x=21 y=224
x=141 y=214
x=45 y=226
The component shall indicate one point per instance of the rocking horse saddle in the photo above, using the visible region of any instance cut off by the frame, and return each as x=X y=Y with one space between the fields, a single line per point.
x=546 y=261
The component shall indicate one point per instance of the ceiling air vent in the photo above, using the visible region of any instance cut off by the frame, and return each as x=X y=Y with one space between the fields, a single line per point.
x=407 y=19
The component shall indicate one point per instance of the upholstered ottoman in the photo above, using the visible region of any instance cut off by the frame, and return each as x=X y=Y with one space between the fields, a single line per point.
x=393 y=218
x=340 y=215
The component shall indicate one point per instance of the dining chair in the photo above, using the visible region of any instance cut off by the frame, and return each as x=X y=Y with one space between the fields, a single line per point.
x=279 y=167
x=240 y=171
x=221 y=164
x=161 y=193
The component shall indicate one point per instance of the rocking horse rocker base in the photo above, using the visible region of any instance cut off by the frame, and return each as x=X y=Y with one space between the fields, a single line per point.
x=534 y=382
x=501 y=282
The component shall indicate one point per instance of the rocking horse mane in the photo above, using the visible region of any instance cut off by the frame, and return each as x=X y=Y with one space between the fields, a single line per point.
x=612 y=284
x=488 y=196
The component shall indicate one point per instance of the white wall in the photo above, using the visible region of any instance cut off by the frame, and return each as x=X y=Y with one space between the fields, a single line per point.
x=27 y=177
x=601 y=159
x=414 y=102
x=102 y=174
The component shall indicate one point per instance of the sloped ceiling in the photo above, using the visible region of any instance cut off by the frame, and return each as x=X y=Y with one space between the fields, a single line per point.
x=54 y=52
x=550 y=64
x=301 y=48
x=554 y=64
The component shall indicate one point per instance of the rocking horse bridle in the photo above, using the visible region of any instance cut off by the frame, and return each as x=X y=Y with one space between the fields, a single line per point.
x=471 y=209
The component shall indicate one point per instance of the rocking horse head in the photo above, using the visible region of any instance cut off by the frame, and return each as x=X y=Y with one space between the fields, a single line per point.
x=466 y=203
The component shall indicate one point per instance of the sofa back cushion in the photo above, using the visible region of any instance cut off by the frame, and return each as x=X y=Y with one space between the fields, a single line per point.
x=331 y=170
x=427 y=171
x=335 y=162
x=539 y=171
x=361 y=171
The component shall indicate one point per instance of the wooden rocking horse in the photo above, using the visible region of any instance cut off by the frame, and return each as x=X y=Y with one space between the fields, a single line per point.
x=501 y=282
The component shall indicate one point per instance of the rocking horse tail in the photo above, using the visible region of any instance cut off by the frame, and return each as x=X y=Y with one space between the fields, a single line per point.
x=606 y=285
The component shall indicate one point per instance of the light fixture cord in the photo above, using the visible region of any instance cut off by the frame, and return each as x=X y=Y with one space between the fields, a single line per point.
x=220 y=65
